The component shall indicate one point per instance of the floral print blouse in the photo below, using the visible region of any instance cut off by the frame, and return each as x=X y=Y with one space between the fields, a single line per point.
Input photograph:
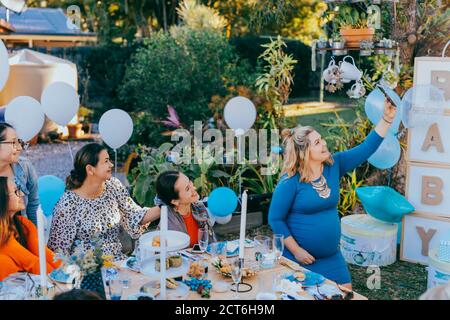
x=76 y=218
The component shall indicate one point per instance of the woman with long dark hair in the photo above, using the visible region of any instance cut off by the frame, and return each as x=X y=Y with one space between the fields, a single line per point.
x=96 y=204
x=18 y=236
x=18 y=168
x=185 y=212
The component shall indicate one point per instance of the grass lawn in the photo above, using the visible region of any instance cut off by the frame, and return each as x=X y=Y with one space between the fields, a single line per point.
x=399 y=281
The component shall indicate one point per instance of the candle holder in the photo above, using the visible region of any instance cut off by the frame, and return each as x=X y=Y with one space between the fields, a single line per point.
x=248 y=285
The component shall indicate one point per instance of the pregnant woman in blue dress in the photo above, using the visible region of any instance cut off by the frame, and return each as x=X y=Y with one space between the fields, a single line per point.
x=304 y=204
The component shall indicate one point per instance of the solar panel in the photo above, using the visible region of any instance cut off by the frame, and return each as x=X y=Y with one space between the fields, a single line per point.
x=41 y=21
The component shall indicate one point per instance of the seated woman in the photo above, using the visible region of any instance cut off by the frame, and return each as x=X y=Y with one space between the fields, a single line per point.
x=185 y=212
x=18 y=168
x=18 y=235
x=304 y=204
x=95 y=205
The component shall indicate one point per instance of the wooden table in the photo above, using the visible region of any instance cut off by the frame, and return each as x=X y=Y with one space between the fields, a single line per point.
x=137 y=280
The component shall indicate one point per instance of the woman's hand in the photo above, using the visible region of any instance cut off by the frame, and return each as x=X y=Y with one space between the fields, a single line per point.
x=387 y=118
x=304 y=257
x=390 y=111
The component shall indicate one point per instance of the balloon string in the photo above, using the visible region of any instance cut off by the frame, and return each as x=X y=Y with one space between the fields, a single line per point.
x=115 y=163
x=70 y=151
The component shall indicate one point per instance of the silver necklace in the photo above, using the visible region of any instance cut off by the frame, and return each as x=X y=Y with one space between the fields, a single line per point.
x=321 y=187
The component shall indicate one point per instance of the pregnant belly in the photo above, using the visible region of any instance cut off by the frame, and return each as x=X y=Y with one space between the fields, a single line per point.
x=317 y=233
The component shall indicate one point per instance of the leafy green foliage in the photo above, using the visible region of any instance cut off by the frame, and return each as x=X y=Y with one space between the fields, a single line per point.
x=276 y=81
x=184 y=69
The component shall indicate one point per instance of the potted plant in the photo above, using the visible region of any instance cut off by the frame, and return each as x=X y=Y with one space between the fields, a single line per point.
x=338 y=45
x=353 y=25
x=366 y=47
x=75 y=130
x=85 y=116
x=322 y=43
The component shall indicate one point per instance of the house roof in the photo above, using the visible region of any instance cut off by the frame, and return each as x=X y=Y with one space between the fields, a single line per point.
x=43 y=25
x=41 y=21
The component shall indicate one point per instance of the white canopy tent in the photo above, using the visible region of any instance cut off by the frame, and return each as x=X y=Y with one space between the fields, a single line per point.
x=31 y=72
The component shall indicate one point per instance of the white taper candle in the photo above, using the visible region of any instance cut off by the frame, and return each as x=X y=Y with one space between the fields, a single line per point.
x=163 y=253
x=41 y=246
x=243 y=224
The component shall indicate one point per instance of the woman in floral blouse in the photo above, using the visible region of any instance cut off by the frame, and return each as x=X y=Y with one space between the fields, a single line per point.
x=96 y=205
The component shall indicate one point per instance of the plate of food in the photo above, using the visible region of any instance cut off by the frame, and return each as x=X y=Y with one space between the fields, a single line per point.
x=176 y=290
x=176 y=266
x=222 y=266
x=150 y=242
x=306 y=278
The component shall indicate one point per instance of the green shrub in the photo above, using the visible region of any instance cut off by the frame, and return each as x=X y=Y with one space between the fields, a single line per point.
x=102 y=71
x=184 y=69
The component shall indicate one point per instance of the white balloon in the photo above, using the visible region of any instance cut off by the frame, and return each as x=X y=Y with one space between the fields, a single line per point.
x=4 y=65
x=25 y=114
x=115 y=127
x=224 y=220
x=240 y=114
x=60 y=102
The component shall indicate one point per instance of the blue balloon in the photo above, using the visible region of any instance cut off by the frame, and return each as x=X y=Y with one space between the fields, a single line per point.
x=277 y=150
x=387 y=154
x=222 y=202
x=374 y=107
x=384 y=203
x=50 y=190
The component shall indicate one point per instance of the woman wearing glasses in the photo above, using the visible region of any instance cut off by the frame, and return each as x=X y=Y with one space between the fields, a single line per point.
x=18 y=168
x=18 y=236
x=96 y=204
x=304 y=204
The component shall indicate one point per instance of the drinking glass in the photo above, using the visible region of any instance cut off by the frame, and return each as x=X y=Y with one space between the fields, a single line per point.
x=236 y=275
x=214 y=250
x=266 y=287
x=203 y=239
x=262 y=246
x=278 y=245
x=116 y=289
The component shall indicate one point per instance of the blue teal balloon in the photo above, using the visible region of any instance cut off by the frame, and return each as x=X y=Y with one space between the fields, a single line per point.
x=374 y=107
x=50 y=190
x=387 y=154
x=384 y=203
x=222 y=202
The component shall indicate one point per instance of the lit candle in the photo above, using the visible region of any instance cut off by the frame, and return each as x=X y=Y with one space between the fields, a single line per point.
x=243 y=224
x=163 y=232
x=41 y=246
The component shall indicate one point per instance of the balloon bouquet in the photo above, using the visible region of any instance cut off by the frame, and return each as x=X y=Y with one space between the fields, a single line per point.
x=381 y=202
x=240 y=115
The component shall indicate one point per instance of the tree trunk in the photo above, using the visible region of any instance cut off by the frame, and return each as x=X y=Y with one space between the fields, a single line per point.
x=405 y=32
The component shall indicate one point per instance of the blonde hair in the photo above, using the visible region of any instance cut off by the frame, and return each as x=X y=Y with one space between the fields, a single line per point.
x=296 y=154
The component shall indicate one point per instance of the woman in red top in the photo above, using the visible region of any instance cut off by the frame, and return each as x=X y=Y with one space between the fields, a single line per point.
x=186 y=213
x=18 y=235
